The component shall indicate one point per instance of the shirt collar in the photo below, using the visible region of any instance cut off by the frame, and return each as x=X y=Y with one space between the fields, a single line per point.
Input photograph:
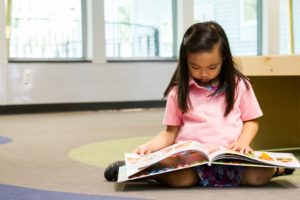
x=192 y=82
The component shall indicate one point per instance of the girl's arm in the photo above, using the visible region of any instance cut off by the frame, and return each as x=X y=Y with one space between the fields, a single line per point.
x=162 y=140
x=249 y=131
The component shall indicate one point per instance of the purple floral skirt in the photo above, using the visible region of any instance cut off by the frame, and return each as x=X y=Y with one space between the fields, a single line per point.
x=209 y=176
x=219 y=175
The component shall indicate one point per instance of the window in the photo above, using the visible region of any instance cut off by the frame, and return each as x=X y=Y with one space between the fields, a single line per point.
x=139 y=29
x=237 y=17
x=285 y=31
x=45 y=29
x=248 y=20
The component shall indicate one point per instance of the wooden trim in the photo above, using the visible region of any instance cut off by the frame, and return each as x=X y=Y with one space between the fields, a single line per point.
x=269 y=65
x=291 y=27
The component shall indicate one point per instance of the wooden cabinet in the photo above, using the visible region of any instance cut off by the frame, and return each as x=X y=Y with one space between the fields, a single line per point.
x=276 y=82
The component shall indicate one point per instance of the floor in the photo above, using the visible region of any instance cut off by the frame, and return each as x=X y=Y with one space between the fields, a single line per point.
x=63 y=156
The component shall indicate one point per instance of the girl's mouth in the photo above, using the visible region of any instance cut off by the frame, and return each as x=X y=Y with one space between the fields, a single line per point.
x=204 y=80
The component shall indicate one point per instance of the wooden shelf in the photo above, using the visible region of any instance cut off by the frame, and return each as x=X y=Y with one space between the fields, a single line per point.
x=269 y=65
x=276 y=81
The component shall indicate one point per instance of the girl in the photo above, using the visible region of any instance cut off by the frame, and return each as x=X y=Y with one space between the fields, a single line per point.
x=209 y=101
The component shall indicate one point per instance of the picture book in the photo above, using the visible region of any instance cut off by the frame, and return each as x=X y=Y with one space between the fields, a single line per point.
x=190 y=154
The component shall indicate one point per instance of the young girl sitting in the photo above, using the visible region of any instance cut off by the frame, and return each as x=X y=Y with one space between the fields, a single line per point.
x=209 y=101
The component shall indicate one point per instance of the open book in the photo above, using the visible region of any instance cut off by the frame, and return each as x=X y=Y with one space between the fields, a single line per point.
x=190 y=154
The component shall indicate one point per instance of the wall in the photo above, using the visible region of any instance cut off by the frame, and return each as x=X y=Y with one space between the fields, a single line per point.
x=38 y=83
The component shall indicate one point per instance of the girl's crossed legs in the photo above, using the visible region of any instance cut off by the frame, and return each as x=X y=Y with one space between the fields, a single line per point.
x=215 y=175
x=228 y=175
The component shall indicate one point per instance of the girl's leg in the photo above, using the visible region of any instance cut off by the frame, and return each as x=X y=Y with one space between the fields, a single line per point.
x=257 y=176
x=182 y=178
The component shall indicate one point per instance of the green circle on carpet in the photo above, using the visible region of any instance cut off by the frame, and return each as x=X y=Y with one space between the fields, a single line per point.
x=103 y=153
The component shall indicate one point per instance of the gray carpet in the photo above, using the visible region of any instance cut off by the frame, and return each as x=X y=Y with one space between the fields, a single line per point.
x=36 y=159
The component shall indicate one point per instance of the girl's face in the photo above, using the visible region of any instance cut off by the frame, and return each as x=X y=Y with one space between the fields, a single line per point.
x=205 y=66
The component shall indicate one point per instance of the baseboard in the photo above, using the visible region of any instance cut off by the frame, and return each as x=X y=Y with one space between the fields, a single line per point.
x=64 y=107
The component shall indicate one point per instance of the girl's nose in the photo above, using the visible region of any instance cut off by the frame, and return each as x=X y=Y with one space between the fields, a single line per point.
x=203 y=73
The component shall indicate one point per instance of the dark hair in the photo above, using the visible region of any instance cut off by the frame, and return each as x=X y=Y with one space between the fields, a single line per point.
x=203 y=37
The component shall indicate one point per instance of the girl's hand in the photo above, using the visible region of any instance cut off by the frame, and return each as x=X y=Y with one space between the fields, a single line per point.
x=143 y=149
x=242 y=148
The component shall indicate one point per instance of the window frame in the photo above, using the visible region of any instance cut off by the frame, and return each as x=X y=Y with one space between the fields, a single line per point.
x=154 y=59
x=89 y=36
x=49 y=60
x=259 y=22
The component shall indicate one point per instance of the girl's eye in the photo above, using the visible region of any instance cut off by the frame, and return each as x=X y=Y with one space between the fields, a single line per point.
x=212 y=67
x=195 y=67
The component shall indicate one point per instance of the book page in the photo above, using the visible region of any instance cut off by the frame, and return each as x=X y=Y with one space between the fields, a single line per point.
x=258 y=157
x=278 y=159
x=137 y=161
x=214 y=151
x=138 y=173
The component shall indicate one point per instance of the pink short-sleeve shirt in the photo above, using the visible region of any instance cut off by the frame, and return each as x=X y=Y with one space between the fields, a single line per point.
x=205 y=121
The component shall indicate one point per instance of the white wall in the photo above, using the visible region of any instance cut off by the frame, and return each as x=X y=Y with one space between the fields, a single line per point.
x=83 y=82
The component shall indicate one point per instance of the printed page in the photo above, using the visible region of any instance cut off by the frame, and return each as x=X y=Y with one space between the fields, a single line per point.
x=278 y=159
x=122 y=176
x=126 y=173
x=259 y=157
x=137 y=161
x=214 y=151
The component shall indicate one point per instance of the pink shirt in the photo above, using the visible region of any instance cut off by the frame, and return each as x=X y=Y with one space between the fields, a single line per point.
x=204 y=122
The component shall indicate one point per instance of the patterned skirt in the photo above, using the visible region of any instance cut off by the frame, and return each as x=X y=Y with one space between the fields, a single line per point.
x=219 y=175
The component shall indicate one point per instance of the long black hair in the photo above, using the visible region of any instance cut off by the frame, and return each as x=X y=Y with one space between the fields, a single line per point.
x=203 y=37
